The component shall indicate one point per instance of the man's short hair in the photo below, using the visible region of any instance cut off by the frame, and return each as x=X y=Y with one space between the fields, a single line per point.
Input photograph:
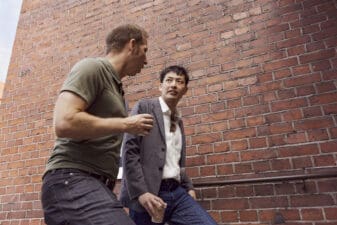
x=118 y=37
x=179 y=70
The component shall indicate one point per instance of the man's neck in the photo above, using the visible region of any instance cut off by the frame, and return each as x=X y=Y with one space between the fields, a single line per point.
x=172 y=105
x=118 y=63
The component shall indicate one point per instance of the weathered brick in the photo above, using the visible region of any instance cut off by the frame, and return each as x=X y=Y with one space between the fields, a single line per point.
x=261 y=101
x=315 y=56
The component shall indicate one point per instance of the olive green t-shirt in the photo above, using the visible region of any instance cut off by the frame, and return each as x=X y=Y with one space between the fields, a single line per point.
x=96 y=82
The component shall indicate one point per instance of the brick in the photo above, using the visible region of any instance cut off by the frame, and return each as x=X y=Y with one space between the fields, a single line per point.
x=257 y=143
x=246 y=215
x=330 y=146
x=302 y=162
x=244 y=191
x=311 y=200
x=260 y=154
x=207 y=171
x=312 y=3
x=321 y=66
x=315 y=56
x=206 y=138
x=195 y=161
x=284 y=188
x=243 y=168
x=312 y=112
x=288 y=104
x=296 y=138
x=300 y=70
x=252 y=100
x=296 y=50
x=239 y=16
x=218 y=116
x=224 y=169
x=238 y=123
x=227 y=35
x=273 y=118
x=293 y=42
x=315 y=46
x=231 y=204
x=313 y=19
x=279 y=64
x=312 y=124
x=301 y=80
x=241 y=30
x=308 y=149
x=237 y=145
x=223 y=158
x=330 y=213
x=204 y=149
x=324 y=160
x=318 y=135
x=325 y=87
x=252 y=110
x=305 y=90
x=268 y=202
x=241 y=133
x=291 y=214
x=229 y=216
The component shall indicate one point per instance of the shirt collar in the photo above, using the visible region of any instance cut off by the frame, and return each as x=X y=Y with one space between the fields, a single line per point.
x=165 y=109
x=114 y=74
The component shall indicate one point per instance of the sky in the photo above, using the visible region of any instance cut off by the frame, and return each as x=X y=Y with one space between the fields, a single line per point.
x=9 y=16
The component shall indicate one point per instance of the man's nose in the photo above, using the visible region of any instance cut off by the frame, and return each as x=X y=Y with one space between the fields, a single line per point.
x=173 y=83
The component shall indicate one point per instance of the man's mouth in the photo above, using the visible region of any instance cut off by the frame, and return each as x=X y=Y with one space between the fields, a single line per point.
x=173 y=92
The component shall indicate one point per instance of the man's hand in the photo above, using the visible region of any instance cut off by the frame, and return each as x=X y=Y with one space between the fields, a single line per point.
x=193 y=194
x=151 y=203
x=140 y=124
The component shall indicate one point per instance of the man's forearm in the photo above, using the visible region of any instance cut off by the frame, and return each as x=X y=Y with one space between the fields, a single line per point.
x=82 y=125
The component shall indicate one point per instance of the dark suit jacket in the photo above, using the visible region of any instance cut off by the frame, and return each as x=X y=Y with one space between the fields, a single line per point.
x=143 y=158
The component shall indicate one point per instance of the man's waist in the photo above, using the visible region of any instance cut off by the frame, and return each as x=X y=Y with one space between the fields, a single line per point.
x=169 y=184
x=110 y=183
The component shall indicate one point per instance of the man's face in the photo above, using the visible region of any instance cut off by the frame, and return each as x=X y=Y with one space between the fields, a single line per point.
x=138 y=58
x=173 y=87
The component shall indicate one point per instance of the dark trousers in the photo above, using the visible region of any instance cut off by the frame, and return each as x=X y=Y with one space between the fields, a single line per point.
x=73 y=197
x=181 y=209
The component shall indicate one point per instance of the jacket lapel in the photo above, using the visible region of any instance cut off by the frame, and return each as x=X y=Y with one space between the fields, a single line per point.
x=158 y=114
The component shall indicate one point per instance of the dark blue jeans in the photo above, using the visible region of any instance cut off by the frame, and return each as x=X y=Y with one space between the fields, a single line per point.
x=181 y=209
x=73 y=197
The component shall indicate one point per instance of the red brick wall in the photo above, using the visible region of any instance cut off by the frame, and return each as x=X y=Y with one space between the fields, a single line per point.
x=262 y=101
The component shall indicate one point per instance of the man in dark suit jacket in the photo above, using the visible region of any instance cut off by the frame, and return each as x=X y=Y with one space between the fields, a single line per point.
x=153 y=165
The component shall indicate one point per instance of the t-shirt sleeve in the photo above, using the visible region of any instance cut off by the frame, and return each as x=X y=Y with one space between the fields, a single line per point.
x=85 y=80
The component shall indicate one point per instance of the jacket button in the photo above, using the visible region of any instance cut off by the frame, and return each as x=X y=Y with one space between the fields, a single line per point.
x=160 y=168
x=163 y=149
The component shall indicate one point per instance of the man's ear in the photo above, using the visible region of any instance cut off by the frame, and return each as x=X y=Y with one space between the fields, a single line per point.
x=132 y=44
x=185 y=91
x=160 y=87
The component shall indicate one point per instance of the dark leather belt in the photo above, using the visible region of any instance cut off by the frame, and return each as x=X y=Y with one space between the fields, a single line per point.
x=105 y=180
x=169 y=184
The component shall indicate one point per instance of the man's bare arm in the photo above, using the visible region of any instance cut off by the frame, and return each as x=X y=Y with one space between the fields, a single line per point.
x=72 y=121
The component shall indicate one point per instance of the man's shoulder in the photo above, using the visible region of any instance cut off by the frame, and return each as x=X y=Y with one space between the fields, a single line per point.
x=148 y=101
x=88 y=64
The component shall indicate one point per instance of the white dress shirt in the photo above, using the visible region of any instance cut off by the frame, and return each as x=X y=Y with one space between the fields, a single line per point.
x=173 y=144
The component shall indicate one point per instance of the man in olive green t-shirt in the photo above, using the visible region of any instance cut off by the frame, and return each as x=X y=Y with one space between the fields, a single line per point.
x=89 y=119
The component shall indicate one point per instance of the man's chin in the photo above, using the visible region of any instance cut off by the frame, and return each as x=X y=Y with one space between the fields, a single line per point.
x=132 y=74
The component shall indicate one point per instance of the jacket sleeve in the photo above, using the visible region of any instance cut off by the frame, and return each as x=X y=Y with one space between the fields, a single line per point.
x=186 y=182
x=132 y=169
